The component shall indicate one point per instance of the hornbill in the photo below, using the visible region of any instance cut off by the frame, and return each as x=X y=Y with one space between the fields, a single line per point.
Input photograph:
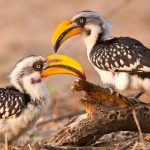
x=22 y=103
x=122 y=62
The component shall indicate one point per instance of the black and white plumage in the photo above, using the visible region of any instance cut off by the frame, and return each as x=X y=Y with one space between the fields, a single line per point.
x=121 y=55
x=12 y=102
x=121 y=62
x=22 y=103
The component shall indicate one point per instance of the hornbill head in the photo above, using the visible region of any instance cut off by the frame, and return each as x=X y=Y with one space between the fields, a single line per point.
x=31 y=70
x=86 y=23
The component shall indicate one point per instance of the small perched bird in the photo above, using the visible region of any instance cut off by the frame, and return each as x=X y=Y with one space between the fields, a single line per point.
x=22 y=103
x=122 y=62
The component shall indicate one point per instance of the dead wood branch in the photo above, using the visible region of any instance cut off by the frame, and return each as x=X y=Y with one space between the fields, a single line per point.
x=105 y=113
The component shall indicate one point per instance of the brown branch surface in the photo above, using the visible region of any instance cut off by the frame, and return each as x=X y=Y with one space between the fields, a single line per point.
x=105 y=113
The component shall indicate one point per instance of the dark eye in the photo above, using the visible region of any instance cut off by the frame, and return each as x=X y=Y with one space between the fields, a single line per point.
x=38 y=65
x=81 y=21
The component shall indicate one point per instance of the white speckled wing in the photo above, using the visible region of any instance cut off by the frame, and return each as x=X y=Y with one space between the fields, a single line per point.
x=12 y=103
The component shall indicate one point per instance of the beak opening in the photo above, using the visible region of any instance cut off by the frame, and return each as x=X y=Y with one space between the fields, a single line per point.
x=64 y=69
x=62 y=64
x=65 y=30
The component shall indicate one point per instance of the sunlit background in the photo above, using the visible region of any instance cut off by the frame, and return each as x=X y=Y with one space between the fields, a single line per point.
x=26 y=28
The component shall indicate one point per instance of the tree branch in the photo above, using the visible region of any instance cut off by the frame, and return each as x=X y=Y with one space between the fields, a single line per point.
x=105 y=113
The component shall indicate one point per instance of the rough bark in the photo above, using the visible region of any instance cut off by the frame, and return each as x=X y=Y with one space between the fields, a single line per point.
x=105 y=113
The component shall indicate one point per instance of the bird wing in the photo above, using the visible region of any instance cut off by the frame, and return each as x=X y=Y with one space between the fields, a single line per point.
x=12 y=103
x=122 y=54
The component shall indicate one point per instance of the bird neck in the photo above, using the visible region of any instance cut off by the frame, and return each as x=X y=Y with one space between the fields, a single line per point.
x=91 y=38
x=37 y=92
x=14 y=80
x=96 y=36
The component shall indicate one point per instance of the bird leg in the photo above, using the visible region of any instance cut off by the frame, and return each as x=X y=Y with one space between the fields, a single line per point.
x=112 y=90
x=132 y=98
x=136 y=96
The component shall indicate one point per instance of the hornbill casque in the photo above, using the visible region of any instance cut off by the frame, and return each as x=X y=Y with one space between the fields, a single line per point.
x=121 y=62
x=22 y=103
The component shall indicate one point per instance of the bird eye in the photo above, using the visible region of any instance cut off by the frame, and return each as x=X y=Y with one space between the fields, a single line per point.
x=81 y=21
x=38 y=65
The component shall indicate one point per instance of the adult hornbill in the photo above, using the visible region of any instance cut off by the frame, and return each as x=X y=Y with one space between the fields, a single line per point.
x=122 y=62
x=22 y=103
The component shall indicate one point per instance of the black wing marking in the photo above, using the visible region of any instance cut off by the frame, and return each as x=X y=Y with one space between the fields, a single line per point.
x=12 y=103
x=122 y=54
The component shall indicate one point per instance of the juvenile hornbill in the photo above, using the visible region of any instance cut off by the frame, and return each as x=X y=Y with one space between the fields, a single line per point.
x=122 y=62
x=22 y=103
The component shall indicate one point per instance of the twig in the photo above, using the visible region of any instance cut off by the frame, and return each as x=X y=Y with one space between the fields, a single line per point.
x=53 y=147
x=6 y=141
x=139 y=128
x=29 y=147
x=135 y=146
x=59 y=118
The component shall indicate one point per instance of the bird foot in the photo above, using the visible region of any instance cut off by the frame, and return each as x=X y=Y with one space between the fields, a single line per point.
x=136 y=97
x=118 y=94
x=110 y=88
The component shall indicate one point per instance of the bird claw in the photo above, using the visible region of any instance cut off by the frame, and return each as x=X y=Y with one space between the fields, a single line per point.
x=118 y=94
x=111 y=90
x=133 y=100
x=136 y=97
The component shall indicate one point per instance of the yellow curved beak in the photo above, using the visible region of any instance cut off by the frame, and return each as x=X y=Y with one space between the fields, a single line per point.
x=65 y=30
x=62 y=64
